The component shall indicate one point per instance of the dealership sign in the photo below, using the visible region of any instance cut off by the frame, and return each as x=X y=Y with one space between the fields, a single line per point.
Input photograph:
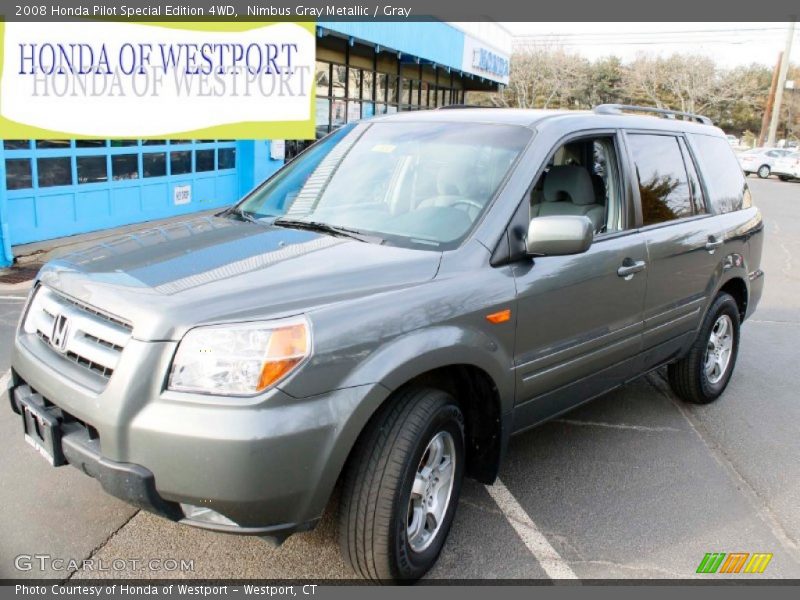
x=113 y=79
x=485 y=61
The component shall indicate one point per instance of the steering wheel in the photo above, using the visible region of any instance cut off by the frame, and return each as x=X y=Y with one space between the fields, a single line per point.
x=468 y=202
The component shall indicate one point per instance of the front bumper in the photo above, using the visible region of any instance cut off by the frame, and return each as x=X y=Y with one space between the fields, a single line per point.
x=267 y=464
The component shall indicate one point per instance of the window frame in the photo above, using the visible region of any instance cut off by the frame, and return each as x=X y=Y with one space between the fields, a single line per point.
x=634 y=180
x=631 y=220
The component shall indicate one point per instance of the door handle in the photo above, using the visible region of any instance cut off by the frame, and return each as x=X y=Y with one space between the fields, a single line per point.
x=630 y=267
x=713 y=243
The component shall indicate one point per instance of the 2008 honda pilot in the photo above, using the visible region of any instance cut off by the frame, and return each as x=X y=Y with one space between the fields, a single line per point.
x=385 y=311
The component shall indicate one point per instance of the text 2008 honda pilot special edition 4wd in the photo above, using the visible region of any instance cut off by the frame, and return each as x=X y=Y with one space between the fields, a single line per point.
x=385 y=312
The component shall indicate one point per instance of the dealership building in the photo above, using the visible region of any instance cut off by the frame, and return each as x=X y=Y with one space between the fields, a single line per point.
x=57 y=188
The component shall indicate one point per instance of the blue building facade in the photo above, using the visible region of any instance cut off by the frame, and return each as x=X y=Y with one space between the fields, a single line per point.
x=55 y=188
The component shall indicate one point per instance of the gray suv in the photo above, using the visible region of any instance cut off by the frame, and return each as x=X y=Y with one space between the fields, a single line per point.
x=384 y=313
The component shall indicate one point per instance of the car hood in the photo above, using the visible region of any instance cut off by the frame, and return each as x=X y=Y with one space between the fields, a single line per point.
x=167 y=279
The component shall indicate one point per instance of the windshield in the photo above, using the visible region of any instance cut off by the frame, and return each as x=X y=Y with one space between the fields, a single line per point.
x=410 y=184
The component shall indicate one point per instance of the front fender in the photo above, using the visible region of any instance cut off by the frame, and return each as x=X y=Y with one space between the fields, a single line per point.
x=417 y=352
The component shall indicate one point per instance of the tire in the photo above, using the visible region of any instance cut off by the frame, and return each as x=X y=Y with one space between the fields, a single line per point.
x=763 y=171
x=784 y=178
x=376 y=536
x=698 y=377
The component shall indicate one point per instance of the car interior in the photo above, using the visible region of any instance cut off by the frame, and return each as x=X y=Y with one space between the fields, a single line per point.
x=581 y=178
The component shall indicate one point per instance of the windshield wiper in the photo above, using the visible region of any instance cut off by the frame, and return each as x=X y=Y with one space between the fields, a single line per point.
x=242 y=214
x=328 y=228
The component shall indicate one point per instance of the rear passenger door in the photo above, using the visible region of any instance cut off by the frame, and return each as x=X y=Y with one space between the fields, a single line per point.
x=682 y=241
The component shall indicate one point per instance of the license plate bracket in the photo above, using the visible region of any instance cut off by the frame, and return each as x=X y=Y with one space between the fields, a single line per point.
x=42 y=430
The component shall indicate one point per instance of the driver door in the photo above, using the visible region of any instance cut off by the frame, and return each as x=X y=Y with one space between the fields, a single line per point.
x=580 y=317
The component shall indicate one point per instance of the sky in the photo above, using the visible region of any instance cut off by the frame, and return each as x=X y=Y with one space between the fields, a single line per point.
x=729 y=44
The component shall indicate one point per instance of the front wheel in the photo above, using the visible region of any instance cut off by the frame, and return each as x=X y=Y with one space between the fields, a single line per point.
x=784 y=177
x=703 y=374
x=401 y=487
x=763 y=171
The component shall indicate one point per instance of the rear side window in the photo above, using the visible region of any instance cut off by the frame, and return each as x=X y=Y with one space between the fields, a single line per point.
x=719 y=169
x=663 y=184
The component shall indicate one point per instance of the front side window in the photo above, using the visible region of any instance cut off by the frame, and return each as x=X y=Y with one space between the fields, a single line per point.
x=661 y=173
x=582 y=179
x=409 y=184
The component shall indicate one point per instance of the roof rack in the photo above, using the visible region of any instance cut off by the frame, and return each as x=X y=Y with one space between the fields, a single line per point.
x=454 y=106
x=618 y=109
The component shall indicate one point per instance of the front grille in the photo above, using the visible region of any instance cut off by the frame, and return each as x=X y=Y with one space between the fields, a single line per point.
x=82 y=334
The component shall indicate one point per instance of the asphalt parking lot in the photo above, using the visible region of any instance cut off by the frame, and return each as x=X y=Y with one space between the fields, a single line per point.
x=633 y=485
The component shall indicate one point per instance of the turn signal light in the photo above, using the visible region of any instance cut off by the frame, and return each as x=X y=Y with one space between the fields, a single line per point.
x=287 y=347
x=499 y=317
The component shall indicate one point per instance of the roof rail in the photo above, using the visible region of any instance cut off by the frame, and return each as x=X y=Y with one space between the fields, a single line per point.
x=618 y=109
x=453 y=106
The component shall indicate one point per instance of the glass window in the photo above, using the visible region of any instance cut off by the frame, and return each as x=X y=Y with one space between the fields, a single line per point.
x=694 y=181
x=18 y=174
x=405 y=91
x=721 y=172
x=339 y=81
x=323 y=78
x=380 y=87
x=323 y=116
x=391 y=94
x=424 y=94
x=227 y=158
x=154 y=164
x=204 y=160
x=123 y=143
x=54 y=171
x=124 y=166
x=367 y=84
x=154 y=142
x=663 y=184
x=92 y=169
x=353 y=111
x=338 y=113
x=16 y=144
x=176 y=142
x=410 y=184
x=90 y=144
x=354 y=83
x=180 y=162
x=52 y=144
x=582 y=178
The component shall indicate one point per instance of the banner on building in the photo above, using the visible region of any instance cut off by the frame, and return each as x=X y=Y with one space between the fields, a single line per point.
x=180 y=80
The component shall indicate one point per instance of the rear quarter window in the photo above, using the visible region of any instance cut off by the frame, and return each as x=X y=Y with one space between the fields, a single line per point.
x=721 y=173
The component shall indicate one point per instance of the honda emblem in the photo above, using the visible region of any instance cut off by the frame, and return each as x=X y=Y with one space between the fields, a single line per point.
x=59 y=335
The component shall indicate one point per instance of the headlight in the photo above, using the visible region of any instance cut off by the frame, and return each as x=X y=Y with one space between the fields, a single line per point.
x=239 y=359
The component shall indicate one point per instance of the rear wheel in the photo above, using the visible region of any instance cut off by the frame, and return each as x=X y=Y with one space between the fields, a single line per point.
x=703 y=374
x=763 y=171
x=401 y=487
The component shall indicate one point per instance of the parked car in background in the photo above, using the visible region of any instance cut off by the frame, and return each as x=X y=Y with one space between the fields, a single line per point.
x=787 y=167
x=760 y=160
x=732 y=140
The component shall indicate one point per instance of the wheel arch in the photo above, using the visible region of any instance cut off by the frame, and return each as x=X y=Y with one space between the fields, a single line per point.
x=737 y=288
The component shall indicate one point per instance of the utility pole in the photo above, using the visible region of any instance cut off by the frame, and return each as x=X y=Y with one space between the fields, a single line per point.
x=776 y=112
x=765 y=118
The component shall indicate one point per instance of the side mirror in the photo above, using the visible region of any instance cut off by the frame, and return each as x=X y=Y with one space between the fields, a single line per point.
x=559 y=235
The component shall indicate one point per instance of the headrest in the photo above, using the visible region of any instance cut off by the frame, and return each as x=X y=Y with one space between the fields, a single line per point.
x=454 y=180
x=570 y=183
